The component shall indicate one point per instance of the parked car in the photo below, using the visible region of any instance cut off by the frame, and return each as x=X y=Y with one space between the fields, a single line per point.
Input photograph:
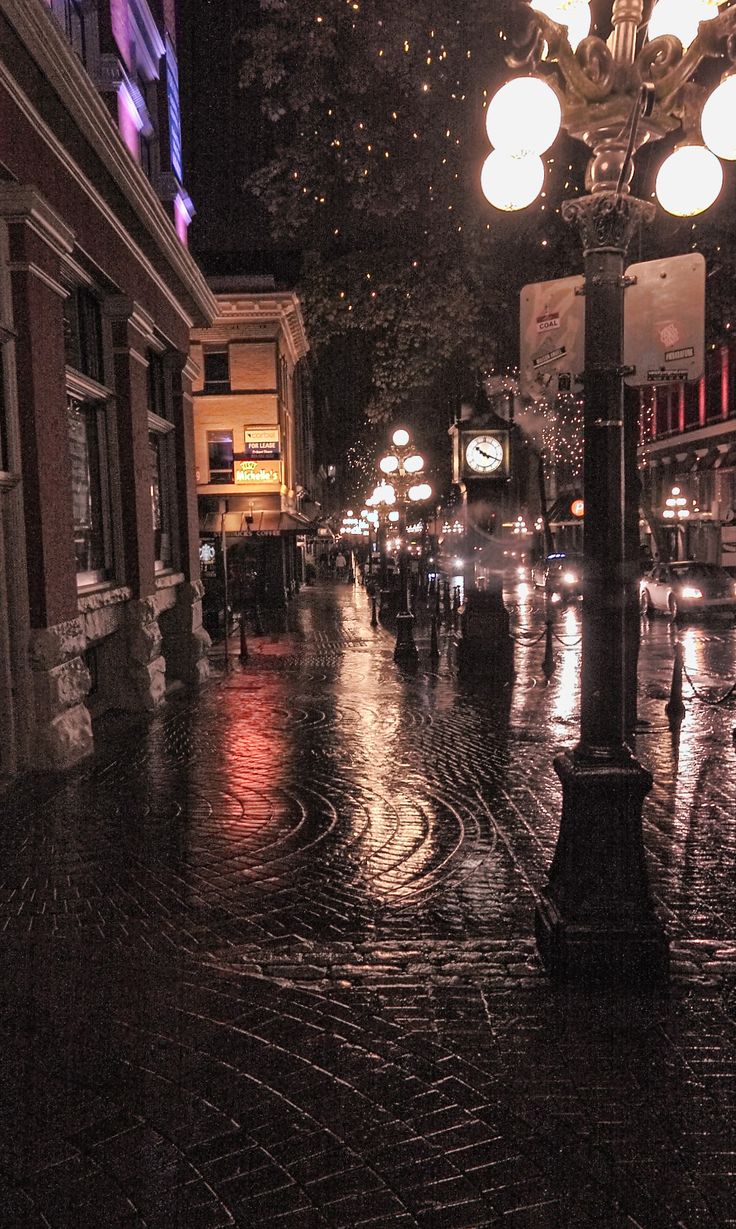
x=560 y=575
x=687 y=588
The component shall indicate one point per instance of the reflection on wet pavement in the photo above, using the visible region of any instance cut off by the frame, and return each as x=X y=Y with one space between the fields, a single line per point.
x=269 y=958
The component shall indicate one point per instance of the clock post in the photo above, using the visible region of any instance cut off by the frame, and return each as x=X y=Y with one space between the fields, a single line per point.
x=481 y=465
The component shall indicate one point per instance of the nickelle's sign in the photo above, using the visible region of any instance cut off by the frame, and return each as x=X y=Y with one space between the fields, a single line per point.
x=253 y=473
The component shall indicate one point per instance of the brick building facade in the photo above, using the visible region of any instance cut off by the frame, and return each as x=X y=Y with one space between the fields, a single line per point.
x=100 y=596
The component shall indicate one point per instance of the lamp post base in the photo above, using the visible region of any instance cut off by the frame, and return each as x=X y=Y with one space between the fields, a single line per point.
x=595 y=921
x=405 y=650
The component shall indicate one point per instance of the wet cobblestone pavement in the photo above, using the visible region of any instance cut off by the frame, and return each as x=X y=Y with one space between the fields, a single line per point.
x=268 y=959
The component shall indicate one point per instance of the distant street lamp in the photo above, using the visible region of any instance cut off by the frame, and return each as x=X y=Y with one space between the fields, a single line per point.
x=402 y=465
x=595 y=918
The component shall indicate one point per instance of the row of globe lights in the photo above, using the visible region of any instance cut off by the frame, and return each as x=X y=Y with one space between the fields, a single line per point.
x=524 y=117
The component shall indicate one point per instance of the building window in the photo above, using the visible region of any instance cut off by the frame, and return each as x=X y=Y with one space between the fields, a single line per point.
x=692 y=404
x=220 y=455
x=83 y=334
x=71 y=15
x=90 y=491
x=4 y=459
x=160 y=470
x=156 y=384
x=216 y=371
x=713 y=385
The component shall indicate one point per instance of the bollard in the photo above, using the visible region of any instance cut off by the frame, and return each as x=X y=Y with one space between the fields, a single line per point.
x=455 y=606
x=548 y=661
x=434 y=648
x=674 y=708
x=374 y=612
x=446 y=603
x=243 y=641
x=257 y=624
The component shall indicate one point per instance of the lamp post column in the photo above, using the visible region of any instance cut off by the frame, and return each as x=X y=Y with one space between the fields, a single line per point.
x=595 y=917
x=405 y=650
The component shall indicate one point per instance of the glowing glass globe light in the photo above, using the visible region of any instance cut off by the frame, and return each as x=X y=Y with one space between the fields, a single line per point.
x=388 y=465
x=420 y=492
x=523 y=117
x=414 y=463
x=681 y=18
x=511 y=183
x=717 y=123
x=575 y=14
x=689 y=181
x=393 y=516
x=400 y=438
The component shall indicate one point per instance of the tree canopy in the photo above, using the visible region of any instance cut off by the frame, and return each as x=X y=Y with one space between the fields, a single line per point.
x=377 y=117
x=379 y=137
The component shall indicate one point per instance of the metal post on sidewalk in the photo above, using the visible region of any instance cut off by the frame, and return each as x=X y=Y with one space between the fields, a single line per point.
x=226 y=595
x=548 y=661
x=243 y=639
x=374 y=612
x=675 y=708
x=257 y=621
x=434 y=648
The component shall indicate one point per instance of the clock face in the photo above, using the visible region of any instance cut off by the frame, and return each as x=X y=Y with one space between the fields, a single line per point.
x=484 y=454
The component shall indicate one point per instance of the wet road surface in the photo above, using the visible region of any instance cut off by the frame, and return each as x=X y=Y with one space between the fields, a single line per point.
x=268 y=959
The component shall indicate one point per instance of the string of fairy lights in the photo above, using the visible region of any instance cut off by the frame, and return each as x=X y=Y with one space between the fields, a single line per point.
x=433 y=63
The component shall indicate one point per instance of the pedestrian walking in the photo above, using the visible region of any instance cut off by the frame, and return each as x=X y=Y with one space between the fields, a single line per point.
x=341 y=566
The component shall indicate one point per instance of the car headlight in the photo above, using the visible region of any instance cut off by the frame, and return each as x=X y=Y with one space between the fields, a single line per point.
x=569 y=578
x=689 y=591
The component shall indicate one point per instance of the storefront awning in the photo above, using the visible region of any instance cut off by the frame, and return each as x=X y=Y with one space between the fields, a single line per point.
x=726 y=459
x=704 y=462
x=247 y=523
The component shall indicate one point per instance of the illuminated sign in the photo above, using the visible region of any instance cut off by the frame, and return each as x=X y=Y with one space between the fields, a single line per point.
x=262 y=443
x=250 y=473
x=577 y=507
x=172 y=93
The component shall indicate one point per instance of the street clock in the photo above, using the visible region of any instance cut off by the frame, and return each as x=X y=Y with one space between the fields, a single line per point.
x=484 y=454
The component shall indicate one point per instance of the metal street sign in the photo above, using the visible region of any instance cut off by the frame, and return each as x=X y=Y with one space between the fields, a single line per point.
x=552 y=338
x=664 y=320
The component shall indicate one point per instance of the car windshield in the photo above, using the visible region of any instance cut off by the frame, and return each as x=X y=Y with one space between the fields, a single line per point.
x=699 y=571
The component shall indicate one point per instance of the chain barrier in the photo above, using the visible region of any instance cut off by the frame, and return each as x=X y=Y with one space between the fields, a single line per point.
x=521 y=637
x=571 y=644
x=707 y=699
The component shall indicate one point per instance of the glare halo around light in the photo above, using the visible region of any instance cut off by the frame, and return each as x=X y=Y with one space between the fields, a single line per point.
x=681 y=18
x=524 y=117
x=575 y=14
x=689 y=181
x=510 y=183
x=717 y=121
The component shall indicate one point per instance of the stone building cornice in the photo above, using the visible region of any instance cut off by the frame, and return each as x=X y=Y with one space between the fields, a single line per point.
x=40 y=34
x=281 y=308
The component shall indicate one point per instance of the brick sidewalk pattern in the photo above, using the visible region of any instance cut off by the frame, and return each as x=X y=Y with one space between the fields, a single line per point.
x=269 y=958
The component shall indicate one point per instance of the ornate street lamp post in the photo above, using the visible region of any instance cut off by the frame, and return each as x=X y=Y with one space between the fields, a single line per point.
x=595 y=917
x=402 y=466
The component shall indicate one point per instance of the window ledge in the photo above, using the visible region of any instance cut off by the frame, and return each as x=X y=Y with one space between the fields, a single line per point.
x=8 y=482
x=106 y=593
x=167 y=580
